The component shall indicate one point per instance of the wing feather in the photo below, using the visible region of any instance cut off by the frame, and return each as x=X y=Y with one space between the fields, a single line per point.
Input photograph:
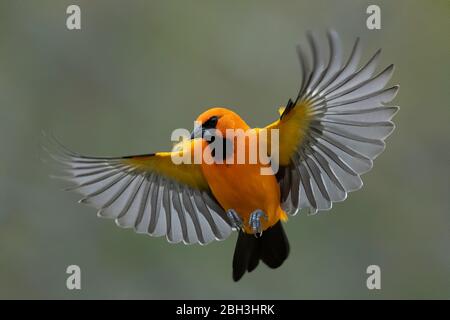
x=148 y=193
x=336 y=127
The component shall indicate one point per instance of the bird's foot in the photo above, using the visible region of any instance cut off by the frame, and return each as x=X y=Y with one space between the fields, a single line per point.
x=235 y=220
x=255 y=221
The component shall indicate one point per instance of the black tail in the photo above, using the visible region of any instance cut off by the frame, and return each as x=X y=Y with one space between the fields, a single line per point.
x=272 y=248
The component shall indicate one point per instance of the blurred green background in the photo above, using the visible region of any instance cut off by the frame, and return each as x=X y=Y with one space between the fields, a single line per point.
x=139 y=69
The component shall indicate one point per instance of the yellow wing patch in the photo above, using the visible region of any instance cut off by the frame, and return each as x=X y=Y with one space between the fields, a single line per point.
x=162 y=164
x=292 y=129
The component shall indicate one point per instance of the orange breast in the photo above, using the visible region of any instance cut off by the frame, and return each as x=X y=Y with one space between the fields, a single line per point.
x=243 y=188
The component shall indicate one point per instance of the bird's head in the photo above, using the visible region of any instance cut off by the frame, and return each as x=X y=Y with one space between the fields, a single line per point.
x=219 y=119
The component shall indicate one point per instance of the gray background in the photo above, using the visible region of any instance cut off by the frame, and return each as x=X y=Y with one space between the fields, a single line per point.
x=139 y=69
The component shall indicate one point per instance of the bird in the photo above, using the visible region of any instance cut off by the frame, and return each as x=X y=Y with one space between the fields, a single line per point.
x=328 y=136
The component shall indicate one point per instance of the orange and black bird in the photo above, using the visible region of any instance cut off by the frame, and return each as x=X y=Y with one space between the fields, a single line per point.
x=328 y=136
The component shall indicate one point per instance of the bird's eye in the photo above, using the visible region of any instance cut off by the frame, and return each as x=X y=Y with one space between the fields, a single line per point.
x=210 y=123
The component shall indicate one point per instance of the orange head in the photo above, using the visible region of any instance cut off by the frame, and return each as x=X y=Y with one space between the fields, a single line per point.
x=220 y=119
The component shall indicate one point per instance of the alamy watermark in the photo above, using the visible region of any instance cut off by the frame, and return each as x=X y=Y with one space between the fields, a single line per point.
x=235 y=146
x=374 y=279
x=373 y=21
x=73 y=21
x=73 y=281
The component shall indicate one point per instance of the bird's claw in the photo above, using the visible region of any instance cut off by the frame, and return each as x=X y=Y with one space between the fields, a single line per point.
x=235 y=220
x=255 y=221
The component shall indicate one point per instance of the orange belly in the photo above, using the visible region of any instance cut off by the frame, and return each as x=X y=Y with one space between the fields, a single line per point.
x=242 y=187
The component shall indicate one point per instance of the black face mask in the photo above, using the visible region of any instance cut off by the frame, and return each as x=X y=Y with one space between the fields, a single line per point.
x=208 y=124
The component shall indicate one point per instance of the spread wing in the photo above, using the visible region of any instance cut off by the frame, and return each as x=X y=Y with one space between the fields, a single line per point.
x=335 y=128
x=147 y=192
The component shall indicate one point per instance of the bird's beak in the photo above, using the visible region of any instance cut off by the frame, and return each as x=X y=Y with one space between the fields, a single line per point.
x=197 y=132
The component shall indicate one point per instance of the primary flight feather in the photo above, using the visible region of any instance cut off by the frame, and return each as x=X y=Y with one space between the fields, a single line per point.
x=329 y=136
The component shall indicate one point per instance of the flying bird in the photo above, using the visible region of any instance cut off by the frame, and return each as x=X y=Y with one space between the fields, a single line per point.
x=329 y=136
